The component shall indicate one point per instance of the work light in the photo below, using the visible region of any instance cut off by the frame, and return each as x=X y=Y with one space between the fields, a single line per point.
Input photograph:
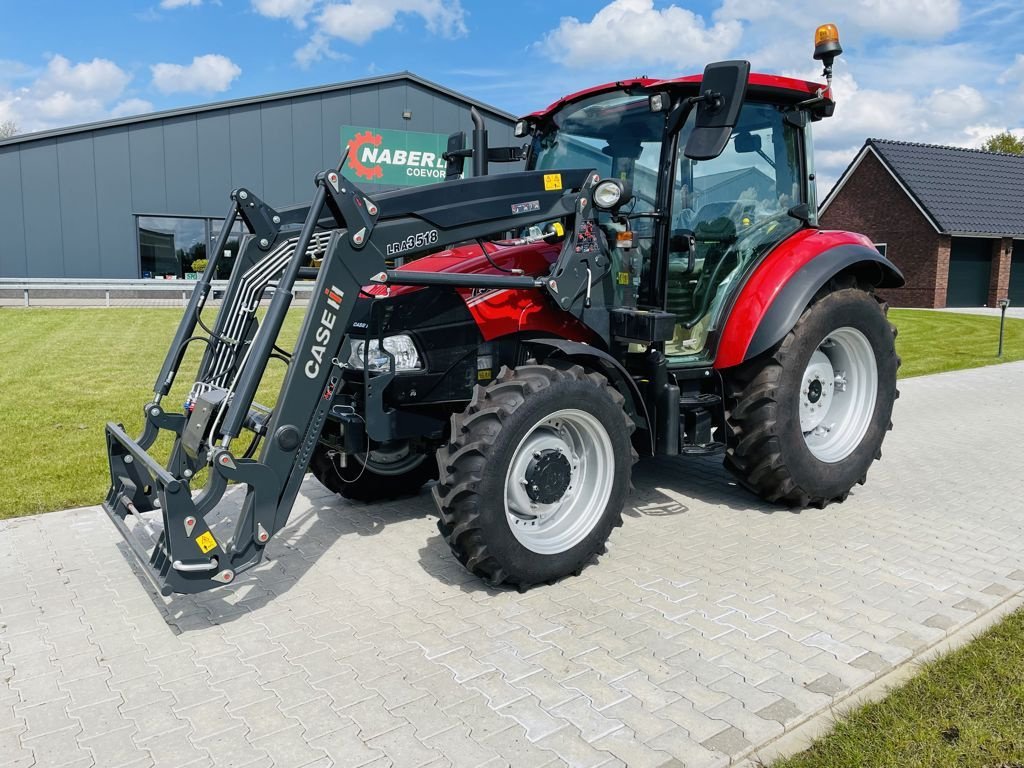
x=609 y=194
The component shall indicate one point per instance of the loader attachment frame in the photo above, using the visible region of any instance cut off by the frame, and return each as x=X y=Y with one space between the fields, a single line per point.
x=170 y=529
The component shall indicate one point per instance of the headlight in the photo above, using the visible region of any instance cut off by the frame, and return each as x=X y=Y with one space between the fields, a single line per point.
x=407 y=357
x=610 y=193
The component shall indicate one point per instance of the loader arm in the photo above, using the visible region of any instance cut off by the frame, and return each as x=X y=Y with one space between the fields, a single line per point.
x=190 y=549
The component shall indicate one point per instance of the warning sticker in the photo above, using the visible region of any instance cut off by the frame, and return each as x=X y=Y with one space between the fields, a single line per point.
x=206 y=542
x=552 y=181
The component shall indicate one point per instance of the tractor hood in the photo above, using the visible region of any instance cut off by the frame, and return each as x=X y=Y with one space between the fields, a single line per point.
x=501 y=258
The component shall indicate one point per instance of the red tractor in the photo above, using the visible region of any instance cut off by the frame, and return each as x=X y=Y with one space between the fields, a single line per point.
x=653 y=283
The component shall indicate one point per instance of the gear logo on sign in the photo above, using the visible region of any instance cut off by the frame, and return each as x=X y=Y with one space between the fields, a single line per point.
x=369 y=172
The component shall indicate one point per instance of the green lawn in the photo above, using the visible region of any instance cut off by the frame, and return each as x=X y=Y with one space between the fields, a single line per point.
x=65 y=372
x=964 y=709
x=930 y=342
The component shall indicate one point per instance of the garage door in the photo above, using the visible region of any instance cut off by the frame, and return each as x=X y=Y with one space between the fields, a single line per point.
x=970 y=262
x=1017 y=274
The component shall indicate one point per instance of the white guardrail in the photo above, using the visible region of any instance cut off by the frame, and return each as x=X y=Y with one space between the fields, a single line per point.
x=86 y=287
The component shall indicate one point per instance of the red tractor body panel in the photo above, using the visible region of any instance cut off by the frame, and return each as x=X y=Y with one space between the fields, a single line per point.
x=501 y=312
x=767 y=280
x=798 y=89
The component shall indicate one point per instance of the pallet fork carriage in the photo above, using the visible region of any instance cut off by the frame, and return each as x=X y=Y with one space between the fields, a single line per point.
x=352 y=231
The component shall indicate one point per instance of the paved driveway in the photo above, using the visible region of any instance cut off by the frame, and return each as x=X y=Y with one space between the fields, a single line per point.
x=712 y=624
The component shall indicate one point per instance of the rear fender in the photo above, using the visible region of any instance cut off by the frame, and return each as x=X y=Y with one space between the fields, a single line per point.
x=781 y=287
x=602 y=362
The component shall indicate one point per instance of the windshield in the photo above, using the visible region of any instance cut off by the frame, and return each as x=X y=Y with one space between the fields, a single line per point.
x=615 y=134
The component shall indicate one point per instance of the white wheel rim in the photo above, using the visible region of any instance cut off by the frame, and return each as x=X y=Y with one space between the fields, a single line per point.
x=837 y=395
x=558 y=526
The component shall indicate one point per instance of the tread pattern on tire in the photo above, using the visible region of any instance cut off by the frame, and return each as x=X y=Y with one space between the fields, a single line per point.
x=473 y=437
x=754 y=455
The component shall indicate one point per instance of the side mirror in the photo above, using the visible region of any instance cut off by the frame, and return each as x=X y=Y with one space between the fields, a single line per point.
x=747 y=142
x=722 y=91
x=455 y=155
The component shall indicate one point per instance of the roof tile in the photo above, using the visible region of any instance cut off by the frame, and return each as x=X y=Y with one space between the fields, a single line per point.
x=966 y=191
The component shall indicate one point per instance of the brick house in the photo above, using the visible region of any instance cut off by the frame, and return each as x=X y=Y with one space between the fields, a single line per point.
x=951 y=218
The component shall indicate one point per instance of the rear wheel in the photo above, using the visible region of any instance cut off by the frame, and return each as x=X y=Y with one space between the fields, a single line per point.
x=535 y=475
x=808 y=417
x=388 y=472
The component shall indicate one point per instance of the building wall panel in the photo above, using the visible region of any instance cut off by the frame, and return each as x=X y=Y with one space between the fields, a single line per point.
x=181 y=165
x=44 y=244
x=118 y=248
x=78 y=220
x=186 y=165
x=214 y=134
x=13 y=259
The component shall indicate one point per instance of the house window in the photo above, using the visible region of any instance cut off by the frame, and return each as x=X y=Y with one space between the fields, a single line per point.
x=881 y=248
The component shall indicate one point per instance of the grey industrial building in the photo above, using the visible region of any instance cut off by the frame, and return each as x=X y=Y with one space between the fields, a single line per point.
x=143 y=196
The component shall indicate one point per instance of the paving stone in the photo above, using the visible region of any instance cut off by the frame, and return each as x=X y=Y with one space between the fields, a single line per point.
x=696 y=625
x=402 y=746
x=231 y=747
x=730 y=741
x=528 y=713
x=782 y=711
x=568 y=745
x=372 y=717
x=516 y=749
x=114 y=748
x=827 y=684
x=55 y=748
x=288 y=749
x=460 y=749
x=872 y=662
x=345 y=748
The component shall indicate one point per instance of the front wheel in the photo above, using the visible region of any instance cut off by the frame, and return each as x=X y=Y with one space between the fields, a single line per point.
x=389 y=471
x=535 y=475
x=808 y=417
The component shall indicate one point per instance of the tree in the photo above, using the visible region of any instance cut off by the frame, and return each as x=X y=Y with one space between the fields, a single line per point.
x=8 y=128
x=1004 y=142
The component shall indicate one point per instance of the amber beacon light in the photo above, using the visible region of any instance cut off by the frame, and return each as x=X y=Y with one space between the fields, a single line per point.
x=827 y=47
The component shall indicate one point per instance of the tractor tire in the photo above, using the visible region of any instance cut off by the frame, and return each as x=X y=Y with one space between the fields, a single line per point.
x=535 y=474
x=377 y=481
x=807 y=418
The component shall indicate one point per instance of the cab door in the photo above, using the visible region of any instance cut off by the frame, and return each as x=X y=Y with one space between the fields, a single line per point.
x=733 y=209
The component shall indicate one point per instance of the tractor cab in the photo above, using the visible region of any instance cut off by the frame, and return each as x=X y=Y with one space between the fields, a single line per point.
x=694 y=220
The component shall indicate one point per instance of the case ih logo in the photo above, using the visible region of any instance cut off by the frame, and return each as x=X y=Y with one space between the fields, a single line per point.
x=400 y=158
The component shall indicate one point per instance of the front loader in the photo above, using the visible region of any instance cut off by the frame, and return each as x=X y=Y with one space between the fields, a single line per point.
x=654 y=283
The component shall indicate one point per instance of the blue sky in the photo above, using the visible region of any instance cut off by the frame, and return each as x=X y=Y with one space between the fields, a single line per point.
x=944 y=71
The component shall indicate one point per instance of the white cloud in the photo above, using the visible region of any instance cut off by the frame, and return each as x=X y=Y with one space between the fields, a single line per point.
x=99 y=76
x=358 y=20
x=902 y=18
x=63 y=92
x=211 y=73
x=179 y=3
x=131 y=107
x=634 y=31
x=293 y=10
x=317 y=49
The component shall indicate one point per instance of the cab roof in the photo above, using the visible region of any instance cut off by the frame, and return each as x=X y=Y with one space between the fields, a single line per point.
x=771 y=86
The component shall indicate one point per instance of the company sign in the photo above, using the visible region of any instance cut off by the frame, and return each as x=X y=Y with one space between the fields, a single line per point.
x=397 y=158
